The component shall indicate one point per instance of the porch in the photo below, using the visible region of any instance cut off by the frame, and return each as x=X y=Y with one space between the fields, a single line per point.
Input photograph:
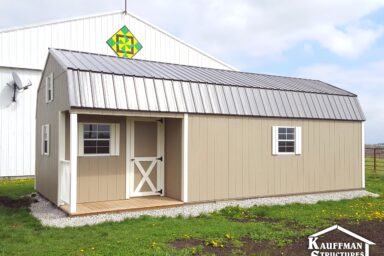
x=112 y=163
x=115 y=206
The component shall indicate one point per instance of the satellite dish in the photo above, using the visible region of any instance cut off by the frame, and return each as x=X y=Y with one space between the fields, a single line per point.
x=17 y=85
x=17 y=81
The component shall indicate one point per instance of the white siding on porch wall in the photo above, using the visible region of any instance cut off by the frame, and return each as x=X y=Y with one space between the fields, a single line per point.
x=24 y=51
x=17 y=125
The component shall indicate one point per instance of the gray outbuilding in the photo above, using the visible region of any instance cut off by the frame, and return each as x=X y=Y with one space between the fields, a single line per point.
x=118 y=130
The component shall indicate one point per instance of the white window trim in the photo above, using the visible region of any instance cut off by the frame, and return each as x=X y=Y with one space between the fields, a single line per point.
x=275 y=140
x=49 y=87
x=114 y=142
x=45 y=130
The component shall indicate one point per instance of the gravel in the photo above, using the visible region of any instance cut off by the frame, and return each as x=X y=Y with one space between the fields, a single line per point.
x=50 y=215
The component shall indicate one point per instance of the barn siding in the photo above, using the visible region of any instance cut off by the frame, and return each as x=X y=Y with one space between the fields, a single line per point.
x=173 y=158
x=47 y=166
x=231 y=157
x=17 y=125
x=90 y=34
x=102 y=178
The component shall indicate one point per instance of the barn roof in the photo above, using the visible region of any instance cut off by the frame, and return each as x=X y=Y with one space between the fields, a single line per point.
x=106 y=82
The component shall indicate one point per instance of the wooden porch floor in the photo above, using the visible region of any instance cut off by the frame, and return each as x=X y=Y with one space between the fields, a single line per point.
x=133 y=204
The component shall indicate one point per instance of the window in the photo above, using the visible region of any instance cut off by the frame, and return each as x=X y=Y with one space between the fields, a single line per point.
x=98 y=139
x=49 y=88
x=45 y=139
x=286 y=140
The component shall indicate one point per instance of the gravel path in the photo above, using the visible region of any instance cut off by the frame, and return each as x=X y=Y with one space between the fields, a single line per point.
x=50 y=215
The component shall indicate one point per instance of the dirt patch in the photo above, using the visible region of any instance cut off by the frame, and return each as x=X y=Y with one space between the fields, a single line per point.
x=371 y=230
x=185 y=243
x=23 y=202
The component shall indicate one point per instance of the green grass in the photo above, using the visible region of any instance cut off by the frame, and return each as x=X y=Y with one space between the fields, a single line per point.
x=21 y=234
x=16 y=188
x=369 y=162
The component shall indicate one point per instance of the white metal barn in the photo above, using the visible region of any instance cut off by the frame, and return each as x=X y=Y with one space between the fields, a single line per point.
x=24 y=51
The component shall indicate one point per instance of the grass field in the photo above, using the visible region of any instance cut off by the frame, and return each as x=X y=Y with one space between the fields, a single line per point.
x=21 y=234
x=369 y=162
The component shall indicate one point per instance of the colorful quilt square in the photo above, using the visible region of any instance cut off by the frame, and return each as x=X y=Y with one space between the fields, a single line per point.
x=124 y=43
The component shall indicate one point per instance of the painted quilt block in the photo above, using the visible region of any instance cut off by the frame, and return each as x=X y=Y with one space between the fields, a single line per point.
x=124 y=43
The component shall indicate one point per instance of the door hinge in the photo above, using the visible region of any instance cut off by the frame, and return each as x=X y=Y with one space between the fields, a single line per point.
x=160 y=120
x=160 y=191
x=160 y=158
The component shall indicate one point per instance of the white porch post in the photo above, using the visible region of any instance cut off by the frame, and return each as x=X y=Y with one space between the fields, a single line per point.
x=184 y=173
x=362 y=155
x=73 y=159
x=61 y=154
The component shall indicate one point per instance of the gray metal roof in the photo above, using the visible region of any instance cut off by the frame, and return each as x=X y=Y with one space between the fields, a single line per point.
x=105 y=82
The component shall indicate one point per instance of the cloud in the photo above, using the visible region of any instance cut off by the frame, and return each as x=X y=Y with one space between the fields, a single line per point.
x=367 y=82
x=267 y=28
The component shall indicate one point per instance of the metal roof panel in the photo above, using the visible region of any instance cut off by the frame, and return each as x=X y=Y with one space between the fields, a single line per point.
x=115 y=83
x=122 y=66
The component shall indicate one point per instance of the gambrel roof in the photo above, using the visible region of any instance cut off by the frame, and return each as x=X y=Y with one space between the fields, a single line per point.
x=106 y=82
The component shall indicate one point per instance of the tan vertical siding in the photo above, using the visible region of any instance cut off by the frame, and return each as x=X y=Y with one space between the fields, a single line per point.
x=47 y=166
x=102 y=178
x=172 y=158
x=231 y=157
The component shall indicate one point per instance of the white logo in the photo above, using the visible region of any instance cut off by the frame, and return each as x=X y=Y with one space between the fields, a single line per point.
x=359 y=248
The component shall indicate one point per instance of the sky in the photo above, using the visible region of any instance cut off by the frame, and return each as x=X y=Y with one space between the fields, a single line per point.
x=340 y=42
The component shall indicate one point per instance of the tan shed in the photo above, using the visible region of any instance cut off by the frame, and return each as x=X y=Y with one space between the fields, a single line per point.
x=119 y=134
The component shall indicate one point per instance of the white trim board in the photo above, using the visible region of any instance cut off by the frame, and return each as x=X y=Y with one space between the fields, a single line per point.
x=362 y=155
x=73 y=158
x=184 y=173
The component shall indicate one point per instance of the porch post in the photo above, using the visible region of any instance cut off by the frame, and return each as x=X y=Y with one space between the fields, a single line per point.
x=73 y=159
x=362 y=155
x=61 y=154
x=184 y=173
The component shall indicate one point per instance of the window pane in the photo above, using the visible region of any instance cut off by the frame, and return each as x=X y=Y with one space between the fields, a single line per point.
x=290 y=143
x=89 y=143
x=90 y=127
x=282 y=130
x=103 y=143
x=282 y=144
x=282 y=136
x=45 y=146
x=290 y=149
x=89 y=150
x=103 y=150
x=90 y=135
x=281 y=149
x=103 y=127
x=103 y=135
x=290 y=136
x=290 y=130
